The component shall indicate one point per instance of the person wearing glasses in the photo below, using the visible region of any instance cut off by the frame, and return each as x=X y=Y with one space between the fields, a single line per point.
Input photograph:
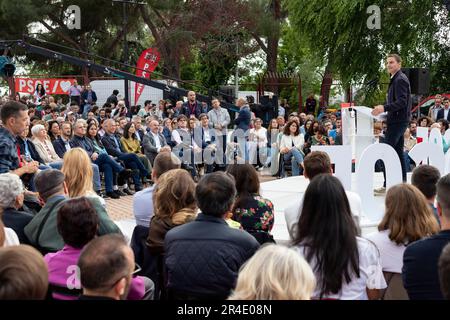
x=154 y=142
x=108 y=271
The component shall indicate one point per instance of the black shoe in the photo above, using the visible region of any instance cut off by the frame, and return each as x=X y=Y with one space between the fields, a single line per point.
x=123 y=176
x=101 y=194
x=128 y=192
x=113 y=195
x=120 y=193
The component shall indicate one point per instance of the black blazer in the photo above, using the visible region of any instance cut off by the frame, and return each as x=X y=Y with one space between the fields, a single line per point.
x=17 y=220
x=60 y=147
x=440 y=115
x=399 y=103
x=33 y=153
x=110 y=145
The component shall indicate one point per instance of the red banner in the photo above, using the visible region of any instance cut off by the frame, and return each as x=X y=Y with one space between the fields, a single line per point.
x=51 y=86
x=145 y=66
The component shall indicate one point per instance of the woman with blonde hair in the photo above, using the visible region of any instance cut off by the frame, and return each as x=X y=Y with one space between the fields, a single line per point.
x=408 y=218
x=174 y=204
x=78 y=173
x=275 y=273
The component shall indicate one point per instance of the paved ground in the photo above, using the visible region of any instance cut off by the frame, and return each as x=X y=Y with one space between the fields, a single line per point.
x=120 y=209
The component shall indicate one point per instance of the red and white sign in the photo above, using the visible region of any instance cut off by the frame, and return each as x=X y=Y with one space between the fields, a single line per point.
x=51 y=86
x=146 y=64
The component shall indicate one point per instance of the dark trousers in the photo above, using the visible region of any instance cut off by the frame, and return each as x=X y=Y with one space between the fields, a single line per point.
x=132 y=161
x=109 y=166
x=394 y=138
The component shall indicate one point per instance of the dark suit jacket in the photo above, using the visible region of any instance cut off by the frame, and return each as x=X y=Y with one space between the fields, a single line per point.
x=440 y=115
x=84 y=96
x=110 y=145
x=17 y=220
x=33 y=153
x=243 y=119
x=187 y=111
x=83 y=143
x=149 y=145
x=398 y=104
x=60 y=147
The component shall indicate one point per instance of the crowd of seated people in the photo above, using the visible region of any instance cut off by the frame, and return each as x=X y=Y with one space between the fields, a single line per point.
x=210 y=237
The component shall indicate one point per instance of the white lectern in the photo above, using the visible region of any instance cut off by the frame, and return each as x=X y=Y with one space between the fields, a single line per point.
x=357 y=129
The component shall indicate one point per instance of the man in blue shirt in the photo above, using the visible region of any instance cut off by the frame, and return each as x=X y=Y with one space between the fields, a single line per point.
x=15 y=120
x=143 y=200
x=420 y=260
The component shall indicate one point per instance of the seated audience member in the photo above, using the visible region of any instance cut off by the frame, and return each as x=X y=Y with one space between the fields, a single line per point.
x=15 y=119
x=174 y=205
x=407 y=218
x=258 y=147
x=208 y=238
x=101 y=160
x=112 y=144
x=11 y=200
x=77 y=224
x=78 y=177
x=143 y=200
x=291 y=146
x=444 y=272
x=27 y=151
x=154 y=142
x=54 y=130
x=420 y=260
x=320 y=137
x=132 y=144
x=275 y=273
x=425 y=178
x=42 y=231
x=253 y=212
x=7 y=235
x=44 y=147
x=23 y=274
x=346 y=266
x=106 y=268
x=63 y=143
x=318 y=162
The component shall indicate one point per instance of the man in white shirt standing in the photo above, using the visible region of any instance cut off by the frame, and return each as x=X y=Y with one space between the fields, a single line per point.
x=316 y=163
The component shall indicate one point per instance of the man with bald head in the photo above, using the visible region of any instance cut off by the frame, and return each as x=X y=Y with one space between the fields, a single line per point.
x=154 y=142
x=192 y=107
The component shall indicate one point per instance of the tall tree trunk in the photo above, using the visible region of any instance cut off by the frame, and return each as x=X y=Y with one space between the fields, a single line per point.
x=273 y=41
x=326 y=86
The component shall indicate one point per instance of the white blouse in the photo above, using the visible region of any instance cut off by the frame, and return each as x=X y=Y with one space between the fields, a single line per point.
x=371 y=274
x=391 y=253
x=286 y=141
x=259 y=136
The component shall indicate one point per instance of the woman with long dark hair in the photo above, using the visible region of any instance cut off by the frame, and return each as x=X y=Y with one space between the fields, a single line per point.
x=132 y=145
x=346 y=266
x=39 y=93
x=253 y=212
x=54 y=131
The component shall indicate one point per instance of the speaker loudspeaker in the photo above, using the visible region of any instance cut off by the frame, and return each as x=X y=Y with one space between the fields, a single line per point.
x=419 y=79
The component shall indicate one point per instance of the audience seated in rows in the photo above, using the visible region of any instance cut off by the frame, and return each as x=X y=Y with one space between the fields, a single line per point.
x=77 y=223
x=190 y=247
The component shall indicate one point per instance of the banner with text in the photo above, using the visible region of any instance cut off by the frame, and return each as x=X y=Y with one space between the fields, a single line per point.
x=147 y=63
x=51 y=86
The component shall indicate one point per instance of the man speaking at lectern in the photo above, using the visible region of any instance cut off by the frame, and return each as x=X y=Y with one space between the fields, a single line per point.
x=398 y=108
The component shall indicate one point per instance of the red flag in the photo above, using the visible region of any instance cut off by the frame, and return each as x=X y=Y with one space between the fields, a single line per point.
x=146 y=64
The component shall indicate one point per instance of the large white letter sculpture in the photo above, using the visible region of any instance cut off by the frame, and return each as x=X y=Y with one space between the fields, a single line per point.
x=341 y=156
x=364 y=176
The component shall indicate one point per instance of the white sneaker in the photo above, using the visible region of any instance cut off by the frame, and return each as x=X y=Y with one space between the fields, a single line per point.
x=379 y=191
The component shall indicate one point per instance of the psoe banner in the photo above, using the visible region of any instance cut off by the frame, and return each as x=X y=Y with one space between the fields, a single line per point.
x=52 y=86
